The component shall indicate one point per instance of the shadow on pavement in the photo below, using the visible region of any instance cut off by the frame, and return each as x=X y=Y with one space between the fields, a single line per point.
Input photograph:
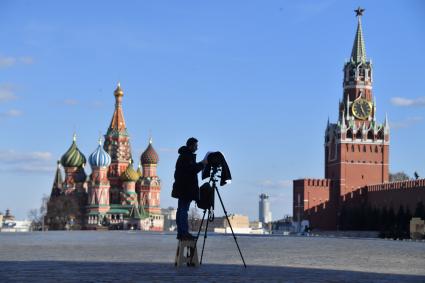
x=81 y=271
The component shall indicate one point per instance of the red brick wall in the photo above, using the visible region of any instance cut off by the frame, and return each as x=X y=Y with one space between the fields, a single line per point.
x=406 y=193
x=309 y=193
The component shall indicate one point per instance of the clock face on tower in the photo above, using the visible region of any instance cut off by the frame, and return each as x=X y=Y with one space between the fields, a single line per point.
x=361 y=109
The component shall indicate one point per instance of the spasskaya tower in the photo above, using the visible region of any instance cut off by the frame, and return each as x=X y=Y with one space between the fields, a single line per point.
x=357 y=146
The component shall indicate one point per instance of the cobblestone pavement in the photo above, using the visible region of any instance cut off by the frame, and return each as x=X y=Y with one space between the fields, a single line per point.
x=147 y=257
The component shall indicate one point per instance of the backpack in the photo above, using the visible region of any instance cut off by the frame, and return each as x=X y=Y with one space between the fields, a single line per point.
x=206 y=197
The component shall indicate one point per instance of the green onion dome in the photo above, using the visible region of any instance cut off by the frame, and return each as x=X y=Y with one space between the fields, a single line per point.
x=130 y=175
x=149 y=156
x=73 y=157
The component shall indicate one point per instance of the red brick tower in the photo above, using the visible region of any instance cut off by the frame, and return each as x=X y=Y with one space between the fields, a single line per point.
x=149 y=183
x=357 y=146
x=117 y=144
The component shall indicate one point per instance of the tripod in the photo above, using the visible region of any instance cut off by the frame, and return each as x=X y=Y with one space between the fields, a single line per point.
x=210 y=217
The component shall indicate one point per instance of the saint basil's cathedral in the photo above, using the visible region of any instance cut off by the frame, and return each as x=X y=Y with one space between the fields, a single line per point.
x=115 y=195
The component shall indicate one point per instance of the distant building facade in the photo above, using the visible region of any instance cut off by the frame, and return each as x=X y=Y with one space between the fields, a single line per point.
x=240 y=224
x=357 y=151
x=115 y=195
x=264 y=213
x=8 y=223
x=169 y=218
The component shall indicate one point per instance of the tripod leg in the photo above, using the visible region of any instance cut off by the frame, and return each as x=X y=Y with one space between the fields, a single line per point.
x=205 y=237
x=200 y=227
x=228 y=221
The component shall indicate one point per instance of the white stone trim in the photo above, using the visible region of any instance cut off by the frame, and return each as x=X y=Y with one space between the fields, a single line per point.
x=361 y=163
x=358 y=86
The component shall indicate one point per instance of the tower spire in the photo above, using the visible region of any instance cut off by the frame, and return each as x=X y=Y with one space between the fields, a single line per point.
x=117 y=122
x=358 y=54
x=57 y=183
x=386 y=124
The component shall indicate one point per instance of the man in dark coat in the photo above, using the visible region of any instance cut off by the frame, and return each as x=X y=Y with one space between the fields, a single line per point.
x=185 y=187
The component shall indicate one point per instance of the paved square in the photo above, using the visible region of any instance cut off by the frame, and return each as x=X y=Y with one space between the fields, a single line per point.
x=147 y=257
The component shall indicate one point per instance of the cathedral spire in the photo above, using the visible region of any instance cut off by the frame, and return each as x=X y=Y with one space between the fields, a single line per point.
x=117 y=122
x=57 y=183
x=358 y=54
x=117 y=142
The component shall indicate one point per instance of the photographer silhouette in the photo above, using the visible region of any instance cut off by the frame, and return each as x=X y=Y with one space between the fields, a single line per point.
x=185 y=187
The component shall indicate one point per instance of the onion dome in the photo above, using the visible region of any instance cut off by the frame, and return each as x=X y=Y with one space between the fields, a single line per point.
x=118 y=91
x=149 y=156
x=100 y=158
x=73 y=157
x=130 y=175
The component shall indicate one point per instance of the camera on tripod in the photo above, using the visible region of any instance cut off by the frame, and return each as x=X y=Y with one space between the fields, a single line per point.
x=216 y=163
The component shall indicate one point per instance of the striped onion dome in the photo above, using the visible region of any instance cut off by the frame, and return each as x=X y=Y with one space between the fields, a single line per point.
x=73 y=157
x=130 y=175
x=99 y=158
x=149 y=156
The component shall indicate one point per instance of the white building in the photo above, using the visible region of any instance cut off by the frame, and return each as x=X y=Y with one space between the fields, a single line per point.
x=265 y=215
x=169 y=218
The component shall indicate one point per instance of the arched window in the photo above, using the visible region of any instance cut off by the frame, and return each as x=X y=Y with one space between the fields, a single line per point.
x=362 y=72
x=359 y=134
x=333 y=149
x=350 y=134
x=370 y=135
x=381 y=135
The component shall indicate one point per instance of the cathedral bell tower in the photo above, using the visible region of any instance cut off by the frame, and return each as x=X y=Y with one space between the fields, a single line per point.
x=357 y=146
x=117 y=145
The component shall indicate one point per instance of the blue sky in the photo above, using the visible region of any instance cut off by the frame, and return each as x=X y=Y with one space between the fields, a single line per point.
x=254 y=79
